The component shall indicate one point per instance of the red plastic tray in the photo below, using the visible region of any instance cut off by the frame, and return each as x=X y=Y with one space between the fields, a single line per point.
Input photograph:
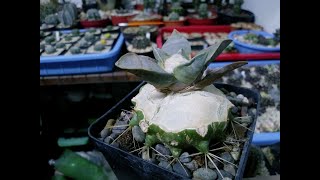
x=224 y=56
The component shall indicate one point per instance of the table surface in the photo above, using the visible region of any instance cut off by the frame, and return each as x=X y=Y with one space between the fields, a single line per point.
x=116 y=76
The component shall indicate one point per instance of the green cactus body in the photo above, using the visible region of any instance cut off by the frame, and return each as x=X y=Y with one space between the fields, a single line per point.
x=89 y=37
x=68 y=38
x=75 y=50
x=49 y=39
x=83 y=44
x=51 y=19
x=93 y=14
x=75 y=32
x=66 y=18
x=140 y=42
x=60 y=45
x=72 y=8
x=50 y=49
x=174 y=16
x=99 y=47
x=179 y=106
x=203 y=10
x=237 y=6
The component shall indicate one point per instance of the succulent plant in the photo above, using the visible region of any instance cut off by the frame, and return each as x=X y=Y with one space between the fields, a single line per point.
x=60 y=45
x=83 y=44
x=92 y=30
x=173 y=16
x=47 y=9
x=68 y=38
x=51 y=19
x=68 y=15
x=50 y=49
x=49 y=39
x=179 y=106
x=107 y=35
x=75 y=50
x=89 y=37
x=277 y=35
x=41 y=34
x=203 y=10
x=140 y=42
x=99 y=47
x=237 y=6
x=93 y=14
x=42 y=46
x=75 y=32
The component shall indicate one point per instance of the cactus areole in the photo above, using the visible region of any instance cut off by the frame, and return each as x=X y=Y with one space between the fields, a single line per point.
x=179 y=106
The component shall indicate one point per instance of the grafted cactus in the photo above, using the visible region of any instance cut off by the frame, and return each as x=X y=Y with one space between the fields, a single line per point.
x=173 y=16
x=140 y=42
x=179 y=106
x=93 y=14
x=203 y=10
x=51 y=19
x=68 y=15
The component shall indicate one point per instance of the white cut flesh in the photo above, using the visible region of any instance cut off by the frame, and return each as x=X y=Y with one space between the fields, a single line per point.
x=176 y=112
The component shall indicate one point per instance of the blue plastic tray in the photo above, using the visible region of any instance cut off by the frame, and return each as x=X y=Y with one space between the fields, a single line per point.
x=81 y=64
x=259 y=139
x=248 y=48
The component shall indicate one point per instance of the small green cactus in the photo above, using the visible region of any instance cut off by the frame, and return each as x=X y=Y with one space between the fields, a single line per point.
x=50 y=49
x=83 y=44
x=75 y=32
x=92 y=30
x=140 y=42
x=75 y=50
x=68 y=38
x=99 y=47
x=51 y=19
x=49 y=39
x=173 y=16
x=42 y=46
x=93 y=14
x=237 y=6
x=89 y=37
x=203 y=10
x=60 y=45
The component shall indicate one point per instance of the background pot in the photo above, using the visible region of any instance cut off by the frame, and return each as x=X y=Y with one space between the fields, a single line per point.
x=225 y=19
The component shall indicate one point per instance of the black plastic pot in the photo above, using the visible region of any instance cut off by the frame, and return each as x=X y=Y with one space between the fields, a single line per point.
x=225 y=19
x=146 y=170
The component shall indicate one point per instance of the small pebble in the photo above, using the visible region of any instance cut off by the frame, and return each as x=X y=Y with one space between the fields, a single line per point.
x=240 y=97
x=165 y=164
x=107 y=130
x=115 y=144
x=235 y=155
x=216 y=162
x=138 y=134
x=234 y=109
x=114 y=135
x=224 y=174
x=233 y=94
x=108 y=140
x=244 y=111
x=119 y=130
x=163 y=150
x=184 y=157
x=204 y=174
x=245 y=100
x=181 y=170
x=193 y=165
x=227 y=156
x=230 y=169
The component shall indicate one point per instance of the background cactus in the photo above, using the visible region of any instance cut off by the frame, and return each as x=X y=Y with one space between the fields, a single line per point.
x=237 y=6
x=93 y=14
x=99 y=47
x=47 y=9
x=68 y=15
x=52 y=19
x=203 y=10
x=50 y=49
x=75 y=50
x=140 y=42
x=173 y=16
